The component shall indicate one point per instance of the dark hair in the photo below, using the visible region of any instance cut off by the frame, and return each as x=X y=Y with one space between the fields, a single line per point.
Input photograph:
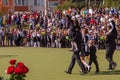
x=77 y=26
x=86 y=31
x=69 y=18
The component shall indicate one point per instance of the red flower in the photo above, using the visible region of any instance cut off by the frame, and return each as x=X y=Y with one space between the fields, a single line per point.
x=20 y=64
x=10 y=69
x=24 y=69
x=12 y=62
x=17 y=71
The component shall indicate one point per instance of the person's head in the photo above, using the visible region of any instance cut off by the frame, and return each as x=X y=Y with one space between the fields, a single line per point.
x=74 y=19
x=91 y=42
x=85 y=31
x=68 y=17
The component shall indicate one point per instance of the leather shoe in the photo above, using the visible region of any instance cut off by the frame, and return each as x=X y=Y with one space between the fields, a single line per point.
x=109 y=69
x=97 y=71
x=67 y=72
x=114 y=65
x=83 y=73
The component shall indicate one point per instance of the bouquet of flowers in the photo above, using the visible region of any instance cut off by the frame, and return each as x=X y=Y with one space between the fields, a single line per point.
x=17 y=70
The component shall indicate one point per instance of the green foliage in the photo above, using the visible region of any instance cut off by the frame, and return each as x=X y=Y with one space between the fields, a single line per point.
x=80 y=5
x=68 y=4
x=17 y=77
x=112 y=3
x=107 y=3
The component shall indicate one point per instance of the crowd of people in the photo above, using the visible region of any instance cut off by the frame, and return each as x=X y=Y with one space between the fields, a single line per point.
x=53 y=29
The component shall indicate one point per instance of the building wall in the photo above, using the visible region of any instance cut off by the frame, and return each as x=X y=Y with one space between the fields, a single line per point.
x=31 y=5
x=39 y=6
x=53 y=3
x=33 y=8
x=53 y=0
x=11 y=4
x=0 y=1
x=20 y=8
x=62 y=1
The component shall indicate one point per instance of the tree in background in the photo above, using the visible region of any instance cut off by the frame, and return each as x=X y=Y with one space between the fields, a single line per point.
x=87 y=3
x=112 y=3
x=73 y=4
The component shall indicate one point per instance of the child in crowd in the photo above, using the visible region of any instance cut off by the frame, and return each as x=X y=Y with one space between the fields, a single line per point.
x=93 y=57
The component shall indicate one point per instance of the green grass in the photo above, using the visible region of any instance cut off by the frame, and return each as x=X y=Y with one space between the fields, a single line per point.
x=50 y=63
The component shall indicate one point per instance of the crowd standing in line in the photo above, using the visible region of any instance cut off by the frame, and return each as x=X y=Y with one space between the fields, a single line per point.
x=52 y=30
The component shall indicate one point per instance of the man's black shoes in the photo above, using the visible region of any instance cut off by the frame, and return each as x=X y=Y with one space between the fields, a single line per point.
x=97 y=71
x=83 y=73
x=114 y=65
x=67 y=72
x=110 y=69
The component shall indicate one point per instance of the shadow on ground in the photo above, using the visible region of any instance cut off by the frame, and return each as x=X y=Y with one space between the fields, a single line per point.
x=114 y=72
x=4 y=56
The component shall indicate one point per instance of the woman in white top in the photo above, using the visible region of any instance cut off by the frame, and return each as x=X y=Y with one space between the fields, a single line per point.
x=38 y=38
x=34 y=34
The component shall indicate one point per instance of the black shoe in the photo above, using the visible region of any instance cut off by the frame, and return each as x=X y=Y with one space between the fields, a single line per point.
x=109 y=69
x=97 y=71
x=67 y=72
x=75 y=51
x=114 y=65
x=83 y=73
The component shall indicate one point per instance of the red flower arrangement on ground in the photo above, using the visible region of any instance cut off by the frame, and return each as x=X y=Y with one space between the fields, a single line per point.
x=17 y=70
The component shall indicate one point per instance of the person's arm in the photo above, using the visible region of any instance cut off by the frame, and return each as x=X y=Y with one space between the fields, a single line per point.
x=111 y=28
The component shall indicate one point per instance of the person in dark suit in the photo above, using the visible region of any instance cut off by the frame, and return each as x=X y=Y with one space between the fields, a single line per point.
x=111 y=44
x=75 y=56
x=93 y=57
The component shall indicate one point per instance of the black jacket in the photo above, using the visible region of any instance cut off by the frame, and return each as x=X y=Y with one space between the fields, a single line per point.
x=93 y=52
x=110 y=38
x=110 y=41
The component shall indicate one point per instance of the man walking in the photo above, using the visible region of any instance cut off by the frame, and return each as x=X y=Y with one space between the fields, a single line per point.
x=75 y=56
x=110 y=44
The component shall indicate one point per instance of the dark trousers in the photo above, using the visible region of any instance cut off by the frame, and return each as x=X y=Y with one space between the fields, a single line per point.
x=109 y=57
x=76 y=56
x=95 y=62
